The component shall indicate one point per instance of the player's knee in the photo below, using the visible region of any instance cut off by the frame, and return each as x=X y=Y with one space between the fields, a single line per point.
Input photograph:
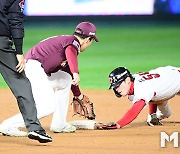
x=168 y=114
x=163 y=115
x=45 y=110
x=45 y=113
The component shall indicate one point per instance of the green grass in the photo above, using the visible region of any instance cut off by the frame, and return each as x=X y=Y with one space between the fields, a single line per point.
x=137 y=48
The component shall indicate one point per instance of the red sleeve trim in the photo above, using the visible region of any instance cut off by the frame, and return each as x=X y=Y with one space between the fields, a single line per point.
x=132 y=113
x=71 y=55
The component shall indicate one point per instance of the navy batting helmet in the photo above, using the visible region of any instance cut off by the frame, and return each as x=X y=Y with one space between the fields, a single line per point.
x=117 y=76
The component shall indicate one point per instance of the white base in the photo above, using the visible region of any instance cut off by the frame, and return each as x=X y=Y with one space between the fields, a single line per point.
x=83 y=124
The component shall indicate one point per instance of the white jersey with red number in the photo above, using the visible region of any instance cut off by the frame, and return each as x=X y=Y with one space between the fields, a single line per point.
x=159 y=84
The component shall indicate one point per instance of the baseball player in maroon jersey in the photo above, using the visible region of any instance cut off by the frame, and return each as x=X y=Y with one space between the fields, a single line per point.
x=50 y=85
x=155 y=88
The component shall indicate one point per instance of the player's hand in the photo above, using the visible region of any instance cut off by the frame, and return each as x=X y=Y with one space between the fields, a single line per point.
x=76 y=79
x=80 y=97
x=21 y=63
x=108 y=126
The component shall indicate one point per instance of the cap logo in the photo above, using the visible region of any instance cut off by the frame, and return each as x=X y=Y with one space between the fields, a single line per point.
x=122 y=74
x=117 y=78
x=91 y=33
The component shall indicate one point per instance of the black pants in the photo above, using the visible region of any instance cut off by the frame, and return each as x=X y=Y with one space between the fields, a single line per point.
x=19 y=85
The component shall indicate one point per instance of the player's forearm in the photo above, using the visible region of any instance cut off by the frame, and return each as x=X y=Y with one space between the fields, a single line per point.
x=18 y=45
x=132 y=113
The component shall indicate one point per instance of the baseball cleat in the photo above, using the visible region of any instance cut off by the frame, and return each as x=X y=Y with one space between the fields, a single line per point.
x=67 y=129
x=40 y=135
x=13 y=132
x=153 y=120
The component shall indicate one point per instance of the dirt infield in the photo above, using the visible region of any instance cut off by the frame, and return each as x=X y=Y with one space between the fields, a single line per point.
x=137 y=137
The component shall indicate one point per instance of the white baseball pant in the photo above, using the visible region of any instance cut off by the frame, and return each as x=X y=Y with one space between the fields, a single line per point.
x=51 y=95
x=163 y=110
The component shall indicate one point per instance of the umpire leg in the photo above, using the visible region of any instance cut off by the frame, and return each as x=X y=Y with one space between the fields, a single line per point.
x=21 y=88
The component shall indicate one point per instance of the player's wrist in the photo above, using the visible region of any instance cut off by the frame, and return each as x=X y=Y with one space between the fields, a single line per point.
x=80 y=96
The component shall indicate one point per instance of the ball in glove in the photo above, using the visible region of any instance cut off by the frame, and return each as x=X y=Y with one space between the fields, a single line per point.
x=83 y=107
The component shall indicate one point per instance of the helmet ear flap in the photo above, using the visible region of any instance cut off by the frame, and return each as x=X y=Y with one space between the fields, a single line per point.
x=116 y=93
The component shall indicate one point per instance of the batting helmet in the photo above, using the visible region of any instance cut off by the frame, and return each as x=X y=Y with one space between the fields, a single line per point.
x=117 y=76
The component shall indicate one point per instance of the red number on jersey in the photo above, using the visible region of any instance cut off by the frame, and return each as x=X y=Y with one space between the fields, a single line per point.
x=148 y=76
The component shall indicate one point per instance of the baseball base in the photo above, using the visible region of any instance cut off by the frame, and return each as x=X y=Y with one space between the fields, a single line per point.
x=83 y=124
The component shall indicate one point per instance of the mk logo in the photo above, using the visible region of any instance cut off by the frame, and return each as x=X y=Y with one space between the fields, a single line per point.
x=165 y=137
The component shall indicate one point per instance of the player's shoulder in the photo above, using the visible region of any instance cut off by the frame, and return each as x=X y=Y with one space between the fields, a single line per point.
x=164 y=68
x=48 y=38
x=71 y=40
x=140 y=82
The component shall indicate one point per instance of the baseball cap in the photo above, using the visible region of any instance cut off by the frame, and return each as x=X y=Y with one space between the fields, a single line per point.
x=87 y=29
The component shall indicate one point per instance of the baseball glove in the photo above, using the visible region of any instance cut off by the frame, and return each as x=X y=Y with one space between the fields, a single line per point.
x=83 y=107
x=102 y=126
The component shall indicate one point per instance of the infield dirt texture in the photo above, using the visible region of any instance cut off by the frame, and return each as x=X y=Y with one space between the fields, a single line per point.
x=137 y=137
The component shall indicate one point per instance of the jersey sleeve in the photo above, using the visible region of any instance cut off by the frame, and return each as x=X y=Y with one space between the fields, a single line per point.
x=132 y=113
x=71 y=40
x=16 y=20
x=71 y=55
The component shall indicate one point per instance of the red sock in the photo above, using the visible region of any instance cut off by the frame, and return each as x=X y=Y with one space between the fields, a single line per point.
x=152 y=108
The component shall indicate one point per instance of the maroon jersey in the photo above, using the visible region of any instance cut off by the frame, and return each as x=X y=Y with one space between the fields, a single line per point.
x=51 y=52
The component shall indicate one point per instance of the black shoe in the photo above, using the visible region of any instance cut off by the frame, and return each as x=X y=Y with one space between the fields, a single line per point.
x=40 y=135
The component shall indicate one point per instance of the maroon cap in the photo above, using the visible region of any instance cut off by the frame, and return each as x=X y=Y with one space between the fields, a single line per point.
x=87 y=29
